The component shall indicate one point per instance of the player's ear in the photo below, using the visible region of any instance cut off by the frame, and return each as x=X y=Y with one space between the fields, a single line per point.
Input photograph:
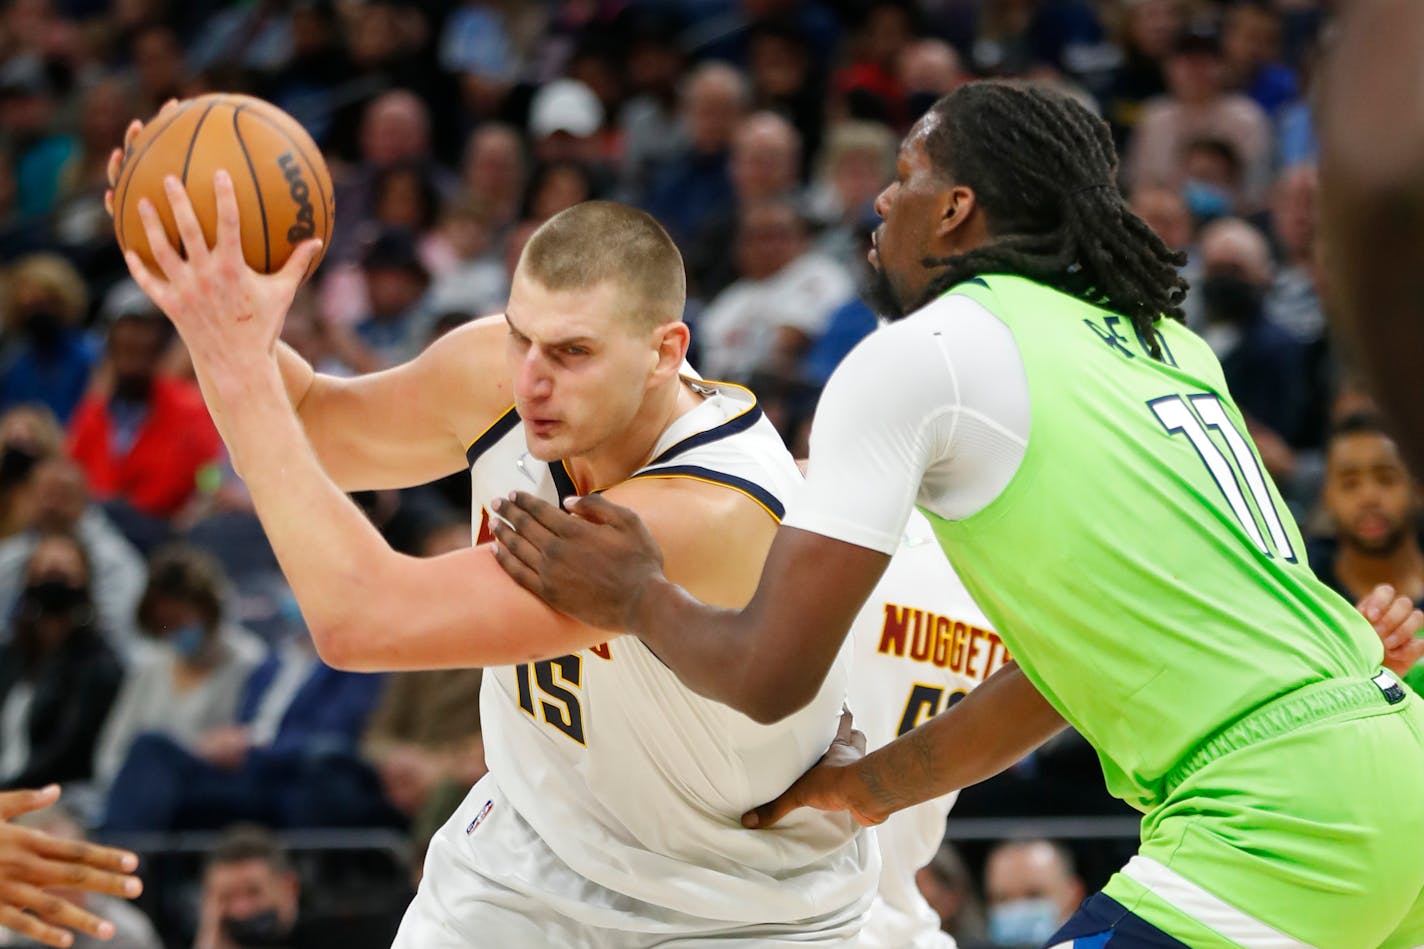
x=672 y=339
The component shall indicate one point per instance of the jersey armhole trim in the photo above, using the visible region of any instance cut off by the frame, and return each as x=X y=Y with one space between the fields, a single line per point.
x=764 y=498
x=497 y=429
x=737 y=423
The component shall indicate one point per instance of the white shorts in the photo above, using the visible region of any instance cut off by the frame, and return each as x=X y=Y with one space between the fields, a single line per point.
x=491 y=881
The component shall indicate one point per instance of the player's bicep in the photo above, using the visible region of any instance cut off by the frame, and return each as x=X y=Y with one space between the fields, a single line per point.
x=410 y=424
x=458 y=610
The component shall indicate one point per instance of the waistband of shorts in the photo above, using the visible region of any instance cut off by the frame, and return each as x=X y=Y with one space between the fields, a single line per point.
x=1314 y=704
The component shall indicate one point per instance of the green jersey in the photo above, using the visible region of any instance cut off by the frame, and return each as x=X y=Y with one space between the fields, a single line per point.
x=1140 y=565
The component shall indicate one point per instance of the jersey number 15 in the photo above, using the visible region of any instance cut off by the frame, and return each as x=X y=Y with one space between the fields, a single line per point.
x=558 y=705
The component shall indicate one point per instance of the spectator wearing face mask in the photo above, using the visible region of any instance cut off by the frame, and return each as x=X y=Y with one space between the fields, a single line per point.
x=190 y=679
x=58 y=678
x=251 y=894
x=50 y=362
x=28 y=435
x=1031 y=889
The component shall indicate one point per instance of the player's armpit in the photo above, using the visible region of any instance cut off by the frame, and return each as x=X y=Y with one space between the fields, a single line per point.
x=459 y=610
x=409 y=424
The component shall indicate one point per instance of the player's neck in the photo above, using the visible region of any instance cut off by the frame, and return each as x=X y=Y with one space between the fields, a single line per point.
x=1402 y=568
x=615 y=460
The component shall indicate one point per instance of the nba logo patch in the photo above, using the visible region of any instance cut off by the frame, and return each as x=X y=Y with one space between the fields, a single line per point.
x=484 y=812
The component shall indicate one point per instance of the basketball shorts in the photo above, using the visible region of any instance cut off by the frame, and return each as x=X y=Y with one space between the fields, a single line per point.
x=491 y=881
x=1301 y=825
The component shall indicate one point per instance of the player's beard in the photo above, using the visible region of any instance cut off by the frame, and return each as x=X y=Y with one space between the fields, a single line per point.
x=879 y=294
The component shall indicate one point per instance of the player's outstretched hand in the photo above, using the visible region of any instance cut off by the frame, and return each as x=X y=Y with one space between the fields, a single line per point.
x=594 y=565
x=832 y=784
x=31 y=861
x=226 y=312
x=1397 y=623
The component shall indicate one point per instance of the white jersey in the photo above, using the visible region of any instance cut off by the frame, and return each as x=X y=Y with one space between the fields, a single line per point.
x=921 y=644
x=634 y=781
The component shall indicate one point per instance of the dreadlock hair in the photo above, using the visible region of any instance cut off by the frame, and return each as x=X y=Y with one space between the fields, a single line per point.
x=1043 y=170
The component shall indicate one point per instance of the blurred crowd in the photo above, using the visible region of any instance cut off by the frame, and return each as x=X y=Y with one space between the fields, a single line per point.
x=151 y=656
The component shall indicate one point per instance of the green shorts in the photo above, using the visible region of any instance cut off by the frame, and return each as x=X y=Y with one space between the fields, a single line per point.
x=1300 y=825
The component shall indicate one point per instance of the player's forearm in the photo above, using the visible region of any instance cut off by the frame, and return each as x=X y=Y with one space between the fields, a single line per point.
x=993 y=727
x=330 y=553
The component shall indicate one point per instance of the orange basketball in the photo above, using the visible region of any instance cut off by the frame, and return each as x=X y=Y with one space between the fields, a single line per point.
x=283 y=186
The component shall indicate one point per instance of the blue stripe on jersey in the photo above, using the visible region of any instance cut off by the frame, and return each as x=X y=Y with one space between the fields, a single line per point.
x=562 y=482
x=730 y=427
x=502 y=427
x=750 y=488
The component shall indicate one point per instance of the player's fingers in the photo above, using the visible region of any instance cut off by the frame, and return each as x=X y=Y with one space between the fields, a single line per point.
x=149 y=282
x=597 y=509
x=518 y=571
x=856 y=740
x=109 y=201
x=536 y=520
x=1404 y=642
x=15 y=803
x=54 y=909
x=773 y=811
x=159 y=246
x=1392 y=625
x=103 y=866
x=516 y=543
x=1374 y=603
x=294 y=271
x=190 y=232
x=228 y=239
x=31 y=927
x=116 y=162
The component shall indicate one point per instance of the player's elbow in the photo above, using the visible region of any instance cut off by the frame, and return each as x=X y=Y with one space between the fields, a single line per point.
x=334 y=645
x=770 y=701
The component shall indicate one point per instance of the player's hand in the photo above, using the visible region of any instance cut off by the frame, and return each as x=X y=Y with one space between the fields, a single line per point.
x=117 y=156
x=832 y=784
x=1397 y=623
x=31 y=861
x=227 y=313
x=594 y=565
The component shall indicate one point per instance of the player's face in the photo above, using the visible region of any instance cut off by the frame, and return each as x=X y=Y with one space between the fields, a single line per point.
x=909 y=206
x=1369 y=494
x=580 y=366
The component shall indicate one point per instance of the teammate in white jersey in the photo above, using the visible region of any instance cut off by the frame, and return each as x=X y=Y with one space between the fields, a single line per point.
x=611 y=814
x=921 y=645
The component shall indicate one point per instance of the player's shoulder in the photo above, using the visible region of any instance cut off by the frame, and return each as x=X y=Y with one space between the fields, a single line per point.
x=465 y=369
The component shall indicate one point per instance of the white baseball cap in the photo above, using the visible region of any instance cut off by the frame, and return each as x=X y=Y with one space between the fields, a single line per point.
x=565 y=105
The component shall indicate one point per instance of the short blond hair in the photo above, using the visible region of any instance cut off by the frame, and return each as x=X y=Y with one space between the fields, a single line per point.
x=599 y=241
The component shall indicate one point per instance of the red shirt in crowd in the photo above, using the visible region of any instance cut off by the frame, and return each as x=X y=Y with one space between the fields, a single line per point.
x=159 y=473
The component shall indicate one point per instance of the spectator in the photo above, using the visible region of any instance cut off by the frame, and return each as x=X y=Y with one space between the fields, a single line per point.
x=1294 y=301
x=142 y=439
x=1031 y=889
x=886 y=28
x=51 y=361
x=159 y=66
x=81 y=222
x=29 y=124
x=765 y=163
x=132 y=929
x=473 y=280
x=1251 y=53
x=29 y=434
x=696 y=184
x=948 y=888
x=1018 y=39
x=857 y=163
x=766 y=320
x=1165 y=211
x=1211 y=179
x=1374 y=504
x=786 y=79
x=305 y=84
x=251 y=894
x=928 y=69
x=1198 y=107
x=1262 y=363
x=652 y=134
x=58 y=677
x=60 y=504
x=494 y=172
x=564 y=120
x=476 y=46
x=1146 y=34
x=256 y=37
x=396 y=281
x=189 y=680
x=285 y=763
x=557 y=187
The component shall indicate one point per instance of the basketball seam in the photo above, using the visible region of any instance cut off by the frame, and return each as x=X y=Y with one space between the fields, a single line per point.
x=193 y=142
x=316 y=179
x=121 y=191
x=257 y=189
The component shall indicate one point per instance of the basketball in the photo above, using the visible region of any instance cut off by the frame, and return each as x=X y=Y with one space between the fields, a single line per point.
x=283 y=187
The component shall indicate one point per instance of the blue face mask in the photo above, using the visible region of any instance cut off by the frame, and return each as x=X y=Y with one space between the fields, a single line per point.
x=1206 y=201
x=188 y=641
x=1023 y=922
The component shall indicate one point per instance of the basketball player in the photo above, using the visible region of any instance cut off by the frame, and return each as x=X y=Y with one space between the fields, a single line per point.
x=1085 y=469
x=1372 y=201
x=611 y=813
x=31 y=860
